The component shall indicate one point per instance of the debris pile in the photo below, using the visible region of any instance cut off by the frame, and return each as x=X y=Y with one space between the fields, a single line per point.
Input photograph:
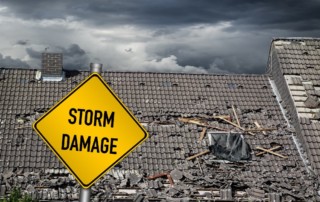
x=216 y=181
x=40 y=185
x=273 y=171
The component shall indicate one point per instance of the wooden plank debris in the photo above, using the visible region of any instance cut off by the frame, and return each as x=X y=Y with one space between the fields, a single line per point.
x=235 y=115
x=170 y=179
x=153 y=177
x=272 y=149
x=271 y=152
x=259 y=126
x=235 y=125
x=198 y=122
x=166 y=174
x=203 y=133
x=198 y=154
x=260 y=129
x=222 y=116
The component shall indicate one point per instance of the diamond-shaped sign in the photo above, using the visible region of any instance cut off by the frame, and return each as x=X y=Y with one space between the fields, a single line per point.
x=90 y=130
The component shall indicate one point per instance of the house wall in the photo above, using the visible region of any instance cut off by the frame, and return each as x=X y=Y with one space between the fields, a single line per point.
x=287 y=102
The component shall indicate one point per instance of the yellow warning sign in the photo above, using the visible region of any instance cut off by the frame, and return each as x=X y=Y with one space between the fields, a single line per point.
x=90 y=130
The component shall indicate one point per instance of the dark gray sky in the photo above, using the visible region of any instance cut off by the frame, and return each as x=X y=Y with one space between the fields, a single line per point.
x=195 y=36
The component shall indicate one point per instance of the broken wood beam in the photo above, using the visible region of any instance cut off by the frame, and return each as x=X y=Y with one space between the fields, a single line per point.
x=170 y=179
x=187 y=120
x=235 y=125
x=235 y=114
x=166 y=174
x=260 y=129
x=203 y=133
x=198 y=122
x=153 y=177
x=223 y=116
x=198 y=154
x=272 y=149
x=259 y=126
x=271 y=152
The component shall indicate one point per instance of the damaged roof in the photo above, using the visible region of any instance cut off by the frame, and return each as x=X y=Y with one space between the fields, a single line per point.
x=294 y=64
x=159 y=169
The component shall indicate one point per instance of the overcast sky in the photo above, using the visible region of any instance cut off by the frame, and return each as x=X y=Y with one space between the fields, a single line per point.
x=195 y=36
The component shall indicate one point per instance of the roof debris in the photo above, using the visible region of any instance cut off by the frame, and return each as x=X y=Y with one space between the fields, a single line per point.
x=312 y=102
x=235 y=115
x=176 y=117
x=237 y=126
x=200 y=123
x=203 y=133
x=272 y=149
x=167 y=175
x=271 y=152
x=198 y=154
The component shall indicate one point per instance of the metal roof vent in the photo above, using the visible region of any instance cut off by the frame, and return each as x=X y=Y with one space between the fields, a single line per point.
x=52 y=67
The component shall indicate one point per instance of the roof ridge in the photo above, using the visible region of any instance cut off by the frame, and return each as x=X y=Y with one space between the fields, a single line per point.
x=296 y=38
x=146 y=72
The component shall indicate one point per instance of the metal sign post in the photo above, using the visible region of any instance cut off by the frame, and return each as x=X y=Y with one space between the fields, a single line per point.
x=89 y=124
x=85 y=193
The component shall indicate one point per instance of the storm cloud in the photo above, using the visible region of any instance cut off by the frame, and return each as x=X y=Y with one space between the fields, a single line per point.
x=205 y=36
x=22 y=42
x=268 y=14
x=8 y=61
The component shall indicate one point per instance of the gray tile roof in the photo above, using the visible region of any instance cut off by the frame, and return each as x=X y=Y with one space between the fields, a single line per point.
x=300 y=57
x=158 y=100
x=298 y=60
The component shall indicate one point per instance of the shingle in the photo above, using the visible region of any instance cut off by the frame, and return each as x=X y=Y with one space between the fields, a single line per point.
x=168 y=146
x=312 y=102
x=304 y=59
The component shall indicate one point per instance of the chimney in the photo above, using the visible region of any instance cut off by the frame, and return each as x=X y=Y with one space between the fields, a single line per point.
x=52 y=67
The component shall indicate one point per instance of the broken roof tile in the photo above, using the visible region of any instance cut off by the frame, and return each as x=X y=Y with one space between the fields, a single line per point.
x=160 y=99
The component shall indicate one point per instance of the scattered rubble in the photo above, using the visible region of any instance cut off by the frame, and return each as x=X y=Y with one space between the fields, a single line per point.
x=312 y=102
x=196 y=172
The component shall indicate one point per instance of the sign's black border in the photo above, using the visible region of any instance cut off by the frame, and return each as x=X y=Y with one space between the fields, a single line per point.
x=66 y=97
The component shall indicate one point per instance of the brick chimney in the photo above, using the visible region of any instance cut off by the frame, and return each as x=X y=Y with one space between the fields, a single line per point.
x=52 y=67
